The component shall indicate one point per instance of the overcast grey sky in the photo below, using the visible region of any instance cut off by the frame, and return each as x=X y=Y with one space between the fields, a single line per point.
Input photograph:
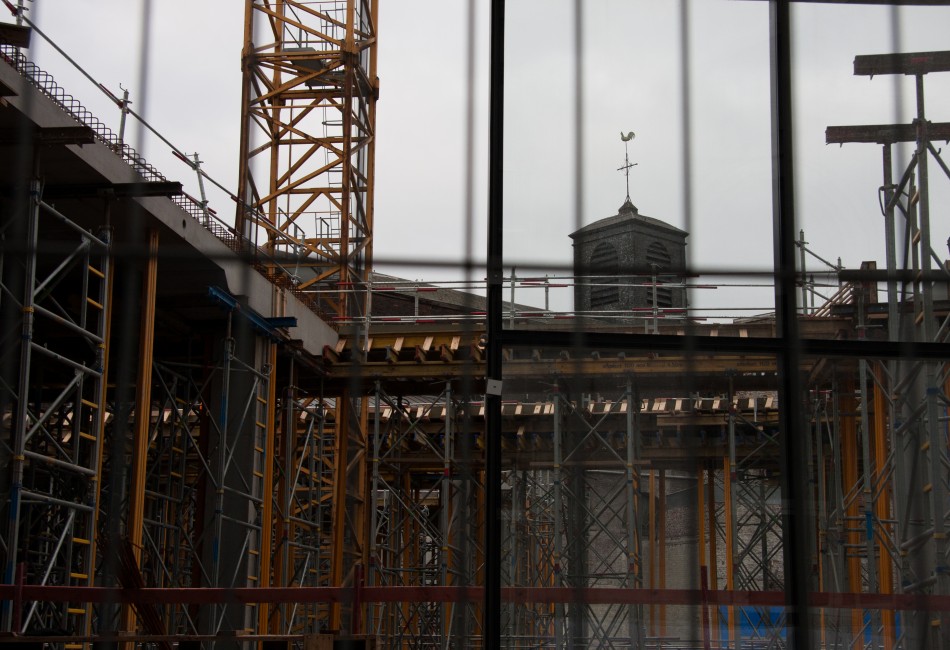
x=632 y=76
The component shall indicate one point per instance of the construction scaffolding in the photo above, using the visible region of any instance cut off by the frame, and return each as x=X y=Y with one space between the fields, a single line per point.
x=190 y=453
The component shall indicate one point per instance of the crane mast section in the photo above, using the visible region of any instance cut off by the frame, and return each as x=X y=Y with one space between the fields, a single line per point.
x=307 y=144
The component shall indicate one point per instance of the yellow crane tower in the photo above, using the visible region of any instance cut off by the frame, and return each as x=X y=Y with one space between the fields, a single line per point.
x=307 y=141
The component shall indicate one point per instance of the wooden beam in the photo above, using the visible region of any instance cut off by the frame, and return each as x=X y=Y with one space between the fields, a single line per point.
x=885 y=133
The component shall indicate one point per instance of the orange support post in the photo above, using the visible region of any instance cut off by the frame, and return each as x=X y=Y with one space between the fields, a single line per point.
x=851 y=489
x=143 y=416
x=882 y=506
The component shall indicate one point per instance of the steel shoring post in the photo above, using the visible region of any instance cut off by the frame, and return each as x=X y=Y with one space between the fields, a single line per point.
x=268 y=525
x=283 y=495
x=924 y=211
x=373 y=577
x=361 y=483
x=910 y=508
x=314 y=464
x=286 y=492
x=911 y=505
x=936 y=434
x=326 y=443
x=868 y=494
x=542 y=519
x=409 y=551
x=836 y=549
x=882 y=511
x=511 y=625
x=219 y=479
x=701 y=562
x=391 y=560
x=633 y=578
x=652 y=545
x=729 y=506
x=763 y=543
x=890 y=619
x=143 y=411
x=822 y=477
x=23 y=387
x=470 y=527
x=811 y=497
x=661 y=535
x=557 y=483
x=446 y=517
x=713 y=559
x=528 y=566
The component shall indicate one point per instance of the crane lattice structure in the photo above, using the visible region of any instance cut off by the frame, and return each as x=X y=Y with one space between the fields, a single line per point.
x=308 y=112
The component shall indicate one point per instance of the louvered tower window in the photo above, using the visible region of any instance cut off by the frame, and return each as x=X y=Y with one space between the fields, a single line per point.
x=658 y=255
x=605 y=264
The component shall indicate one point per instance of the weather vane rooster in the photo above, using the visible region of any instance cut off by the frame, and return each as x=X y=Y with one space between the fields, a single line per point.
x=626 y=156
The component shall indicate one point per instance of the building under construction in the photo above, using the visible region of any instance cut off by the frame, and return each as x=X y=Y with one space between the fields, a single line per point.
x=228 y=431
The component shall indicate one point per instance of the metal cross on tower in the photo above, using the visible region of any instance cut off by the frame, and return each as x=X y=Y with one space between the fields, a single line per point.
x=626 y=158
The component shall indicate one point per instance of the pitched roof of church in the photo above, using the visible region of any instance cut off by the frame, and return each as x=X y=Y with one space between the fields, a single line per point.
x=444 y=296
x=627 y=212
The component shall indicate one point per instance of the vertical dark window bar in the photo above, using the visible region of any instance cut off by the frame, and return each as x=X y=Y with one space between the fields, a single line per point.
x=491 y=628
x=793 y=446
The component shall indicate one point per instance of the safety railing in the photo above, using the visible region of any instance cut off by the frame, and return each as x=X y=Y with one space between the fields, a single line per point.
x=45 y=83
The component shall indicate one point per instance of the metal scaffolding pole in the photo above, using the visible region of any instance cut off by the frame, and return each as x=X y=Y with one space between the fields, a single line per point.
x=908 y=395
x=143 y=412
x=559 y=530
x=634 y=578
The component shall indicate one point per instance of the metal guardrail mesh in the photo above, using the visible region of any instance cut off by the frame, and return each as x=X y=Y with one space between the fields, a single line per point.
x=45 y=83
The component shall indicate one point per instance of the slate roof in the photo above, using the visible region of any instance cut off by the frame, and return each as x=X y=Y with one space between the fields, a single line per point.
x=447 y=297
x=628 y=212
